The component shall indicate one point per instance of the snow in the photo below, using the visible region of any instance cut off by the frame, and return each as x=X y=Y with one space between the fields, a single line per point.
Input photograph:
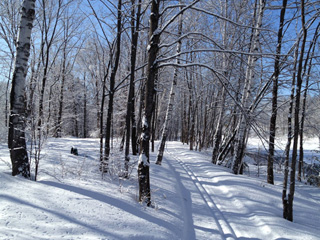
x=143 y=159
x=192 y=199
x=144 y=121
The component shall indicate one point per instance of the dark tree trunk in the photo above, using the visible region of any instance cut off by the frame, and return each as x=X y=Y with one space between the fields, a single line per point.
x=144 y=162
x=289 y=138
x=48 y=40
x=296 y=119
x=85 y=128
x=304 y=101
x=114 y=69
x=273 y=118
x=130 y=118
x=63 y=73
x=153 y=121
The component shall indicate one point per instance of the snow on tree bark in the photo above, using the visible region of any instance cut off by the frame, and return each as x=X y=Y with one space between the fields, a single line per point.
x=16 y=137
x=143 y=169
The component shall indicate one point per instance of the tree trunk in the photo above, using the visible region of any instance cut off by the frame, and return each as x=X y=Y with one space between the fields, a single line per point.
x=273 y=118
x=218 y=132
x=304 y=101
x=130 y=118
x=154 y=120
x=289 y=138
x=171 y=99
x=16 y=136
x=85 y=124
x=114 y=69
x=63 y=73
x=244 y=121
x=296 y=119
x=48 y=40
x=6 y=111
x=144 y=162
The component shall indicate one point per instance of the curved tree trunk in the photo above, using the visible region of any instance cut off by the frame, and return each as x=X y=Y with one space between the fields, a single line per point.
x=16 y=137
x=171 y=99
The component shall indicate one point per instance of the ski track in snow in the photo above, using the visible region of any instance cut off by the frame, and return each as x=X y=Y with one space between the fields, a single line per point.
x=220 y=222
x=235 y=207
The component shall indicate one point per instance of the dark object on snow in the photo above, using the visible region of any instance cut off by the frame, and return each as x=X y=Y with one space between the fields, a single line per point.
x=74 y=151
x=312 y=172
x=314 y=180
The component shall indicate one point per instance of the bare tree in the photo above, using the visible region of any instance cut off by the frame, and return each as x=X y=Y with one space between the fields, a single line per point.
x=308 y=62
x=276 y=74
x=130 y=117
x=171 y=96
x=114 y=68
x=288 y=214
x=242 y=128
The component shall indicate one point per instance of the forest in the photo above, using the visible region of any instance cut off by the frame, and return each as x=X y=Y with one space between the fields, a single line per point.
x=210 y=74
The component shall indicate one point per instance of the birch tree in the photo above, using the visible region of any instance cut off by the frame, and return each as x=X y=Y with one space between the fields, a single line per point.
x=16 y=137
x=242 y=128
x=9 y=15
x=171 y=97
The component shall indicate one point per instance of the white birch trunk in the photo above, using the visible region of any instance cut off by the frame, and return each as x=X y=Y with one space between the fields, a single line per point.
x=243 y=121
x=171 y=100
x=16 y=138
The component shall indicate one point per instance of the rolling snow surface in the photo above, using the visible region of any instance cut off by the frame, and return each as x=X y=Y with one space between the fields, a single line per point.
x=191 y=198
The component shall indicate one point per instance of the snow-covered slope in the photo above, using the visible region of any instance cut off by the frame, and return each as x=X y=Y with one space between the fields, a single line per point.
x=192 y=200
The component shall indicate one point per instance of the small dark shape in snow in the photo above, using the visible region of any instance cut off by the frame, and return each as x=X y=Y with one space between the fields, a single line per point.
x=74 y=151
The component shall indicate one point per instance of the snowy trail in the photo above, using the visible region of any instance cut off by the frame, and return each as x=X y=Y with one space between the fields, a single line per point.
x=220 y=223
x=226 y=206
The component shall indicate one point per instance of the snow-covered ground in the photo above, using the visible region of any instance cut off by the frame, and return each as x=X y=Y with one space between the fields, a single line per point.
x=192 y=199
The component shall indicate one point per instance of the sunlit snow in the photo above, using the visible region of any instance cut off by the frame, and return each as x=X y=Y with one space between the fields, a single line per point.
x=192 y=198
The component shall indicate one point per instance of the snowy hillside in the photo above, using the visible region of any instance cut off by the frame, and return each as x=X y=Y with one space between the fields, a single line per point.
x=192 y=200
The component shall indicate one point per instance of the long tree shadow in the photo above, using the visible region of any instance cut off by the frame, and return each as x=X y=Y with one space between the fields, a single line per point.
x=113 y=202
x=58 y=214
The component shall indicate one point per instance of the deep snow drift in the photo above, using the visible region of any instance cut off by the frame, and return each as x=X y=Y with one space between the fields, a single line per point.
x=192 y=199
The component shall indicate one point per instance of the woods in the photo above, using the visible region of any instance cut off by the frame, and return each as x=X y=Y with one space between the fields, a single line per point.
x=210 y=74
